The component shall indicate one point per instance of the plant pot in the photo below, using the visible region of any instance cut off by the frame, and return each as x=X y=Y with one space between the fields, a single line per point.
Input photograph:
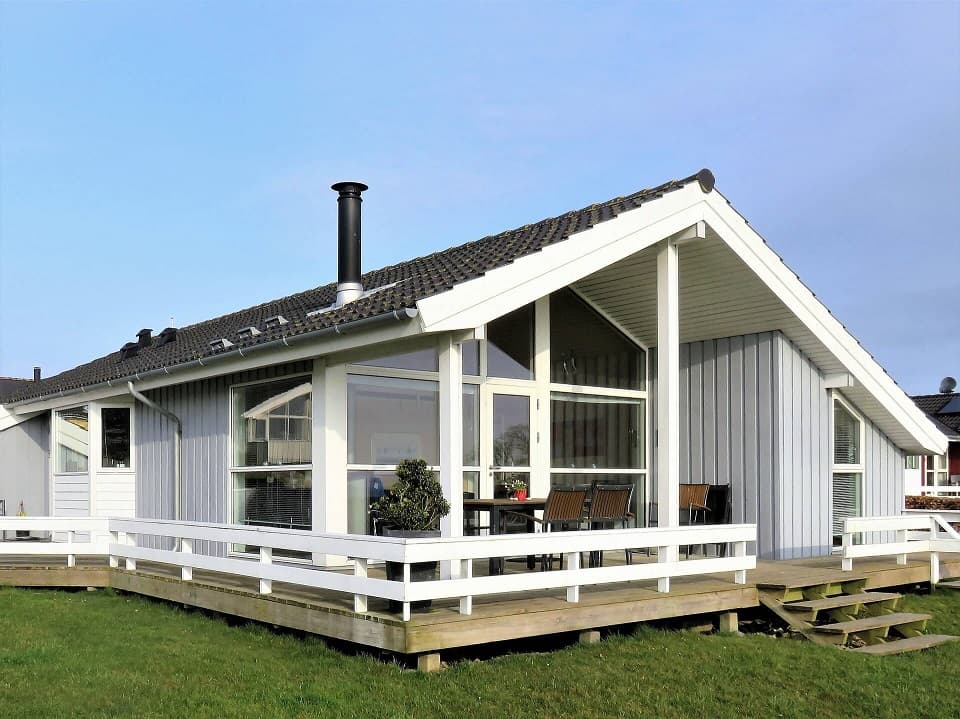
x=520 y=494
x=419 y=572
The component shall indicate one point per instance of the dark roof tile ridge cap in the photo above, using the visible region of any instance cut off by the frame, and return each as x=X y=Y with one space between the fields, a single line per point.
x=935 y=394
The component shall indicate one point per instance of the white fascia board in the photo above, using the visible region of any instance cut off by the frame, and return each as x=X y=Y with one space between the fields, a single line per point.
x=309 y=349
x=10 y=419
x=770 y=268
x=476 y=302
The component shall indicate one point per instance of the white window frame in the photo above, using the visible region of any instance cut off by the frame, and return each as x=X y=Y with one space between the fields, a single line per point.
x=56 y=442
x=233 y=470
x=131 y=467
x=936 y=467
x=843 y=468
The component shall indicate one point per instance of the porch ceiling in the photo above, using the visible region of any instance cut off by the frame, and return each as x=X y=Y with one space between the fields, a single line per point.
x=720 y=296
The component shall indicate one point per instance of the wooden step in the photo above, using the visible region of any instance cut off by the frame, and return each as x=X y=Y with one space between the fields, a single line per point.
x=841 y=600
x=954 y=584
x=874 y=629
x=901 y=646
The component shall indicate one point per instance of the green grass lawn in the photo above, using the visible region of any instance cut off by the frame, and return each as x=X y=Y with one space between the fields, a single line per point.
x=93 y=654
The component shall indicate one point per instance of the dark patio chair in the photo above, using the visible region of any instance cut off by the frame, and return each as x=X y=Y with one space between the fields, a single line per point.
x=609 y=507
x=563 y=510
x=693 y=504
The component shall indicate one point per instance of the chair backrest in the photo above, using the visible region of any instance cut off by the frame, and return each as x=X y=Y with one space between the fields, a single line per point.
x=719 y=504
x=564 y=505
x=611 y=502
x=693 y=495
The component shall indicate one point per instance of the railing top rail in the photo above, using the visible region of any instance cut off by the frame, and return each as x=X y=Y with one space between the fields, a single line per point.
x=853 y=525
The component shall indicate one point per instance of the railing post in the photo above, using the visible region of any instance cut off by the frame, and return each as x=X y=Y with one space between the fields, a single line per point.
x=902 y=536
x=466 y=571
x=666 y=554
x=740 y=550
x=266 y=558
x=129 y=562
x=846 y=563
x=114 y=539
x=71 y=557
x=934 y=568
x=360 y=571
x=406 y=584
x=186 y=547
x=573 y=563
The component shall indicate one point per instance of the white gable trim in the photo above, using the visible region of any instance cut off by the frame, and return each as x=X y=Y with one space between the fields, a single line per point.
x=769 y=267
x=476 y=302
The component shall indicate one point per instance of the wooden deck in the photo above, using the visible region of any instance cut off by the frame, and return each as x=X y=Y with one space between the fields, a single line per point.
x=495 y=618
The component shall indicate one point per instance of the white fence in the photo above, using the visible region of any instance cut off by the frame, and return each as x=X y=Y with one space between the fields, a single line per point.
x=456 y=555
x=914 y=533
x=93 y=530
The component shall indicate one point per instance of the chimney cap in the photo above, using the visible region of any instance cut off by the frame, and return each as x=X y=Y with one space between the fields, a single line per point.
x=349 y=186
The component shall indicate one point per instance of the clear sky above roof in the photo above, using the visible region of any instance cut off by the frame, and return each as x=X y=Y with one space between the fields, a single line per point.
x=172 y=160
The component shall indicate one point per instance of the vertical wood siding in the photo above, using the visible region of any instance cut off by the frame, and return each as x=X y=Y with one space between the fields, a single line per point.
x=24 y=466
x=204 y=409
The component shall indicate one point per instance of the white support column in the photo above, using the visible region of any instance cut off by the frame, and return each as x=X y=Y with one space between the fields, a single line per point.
x=329 y=454
x=451 y=444
x=540 y=439
x=573 y=564
x=668 y=395
x=266 y=559
x=186 y=547
x=360 y=571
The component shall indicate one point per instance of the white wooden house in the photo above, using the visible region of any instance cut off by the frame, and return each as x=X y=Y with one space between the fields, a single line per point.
x=654 y=339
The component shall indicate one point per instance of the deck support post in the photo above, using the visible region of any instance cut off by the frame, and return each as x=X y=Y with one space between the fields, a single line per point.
x=740 y=550
x=266 y=558
x=934 y=568
x=451 y=445
x=186 y=547
x=428 y=662
x=589 y=636
x=668 y=398
x=728 y=622
x=360 y=571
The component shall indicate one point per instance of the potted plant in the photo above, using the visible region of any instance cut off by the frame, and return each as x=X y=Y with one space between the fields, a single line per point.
x=517 y=489
x=412 y=508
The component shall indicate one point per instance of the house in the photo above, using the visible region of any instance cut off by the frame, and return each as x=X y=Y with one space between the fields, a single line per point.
x=938 y=473
x=653 y=339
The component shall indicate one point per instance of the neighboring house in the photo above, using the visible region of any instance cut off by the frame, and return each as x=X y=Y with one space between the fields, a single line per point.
x=938 y=473
x=652 y=339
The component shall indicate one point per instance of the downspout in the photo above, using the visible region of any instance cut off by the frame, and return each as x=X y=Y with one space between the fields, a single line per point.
x=178 y=439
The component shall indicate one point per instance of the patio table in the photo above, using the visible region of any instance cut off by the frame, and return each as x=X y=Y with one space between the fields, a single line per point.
x=495 y=507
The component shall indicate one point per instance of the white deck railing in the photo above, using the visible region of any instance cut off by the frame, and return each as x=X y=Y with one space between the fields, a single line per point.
x=456 y=553
x=914 y=533
x=67 y=529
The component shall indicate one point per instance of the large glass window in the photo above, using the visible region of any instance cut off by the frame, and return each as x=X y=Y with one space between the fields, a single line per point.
x=596 y=432
x=935 y=470
x=390 y=419
x=73 y=440
x=587 y=350
x=271 y=477
x=272 y=423
x=115 y=423
x=424 y=360
x=471 y=425
x=847 y=470
x=510 y=345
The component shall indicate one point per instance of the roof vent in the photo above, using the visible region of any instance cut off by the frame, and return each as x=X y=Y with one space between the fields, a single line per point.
x=947 y=385
x=166 y=336
x=246 y=332
x=221 y=344
x=36 y=374
x=130 y=349
x=349 y=286
x=276 y=321
x=145 y=337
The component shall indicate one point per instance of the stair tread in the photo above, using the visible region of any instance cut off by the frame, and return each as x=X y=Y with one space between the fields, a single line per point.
x=911 y=644
x=954 y=584
x=867 y=623
x=842 y=600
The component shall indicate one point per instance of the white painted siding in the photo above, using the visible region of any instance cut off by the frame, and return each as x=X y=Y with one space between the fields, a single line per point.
x=24 y=466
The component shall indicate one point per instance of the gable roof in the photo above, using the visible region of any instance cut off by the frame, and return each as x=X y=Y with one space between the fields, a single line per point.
x=934 y=404
x=397 y=287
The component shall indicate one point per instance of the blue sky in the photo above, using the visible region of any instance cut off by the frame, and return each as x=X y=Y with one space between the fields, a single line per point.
x=173 y=159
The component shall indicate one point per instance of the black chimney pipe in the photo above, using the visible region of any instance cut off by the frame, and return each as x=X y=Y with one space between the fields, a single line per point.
x=36 y=374
x=349 y=287
x=145 y=337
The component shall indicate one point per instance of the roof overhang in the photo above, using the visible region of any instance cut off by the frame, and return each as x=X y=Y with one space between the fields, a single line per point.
x=771 y=297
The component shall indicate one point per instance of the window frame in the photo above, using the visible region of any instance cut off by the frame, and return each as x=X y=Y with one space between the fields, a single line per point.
x=836 y=468
x=131 y=465
x=56 y=443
